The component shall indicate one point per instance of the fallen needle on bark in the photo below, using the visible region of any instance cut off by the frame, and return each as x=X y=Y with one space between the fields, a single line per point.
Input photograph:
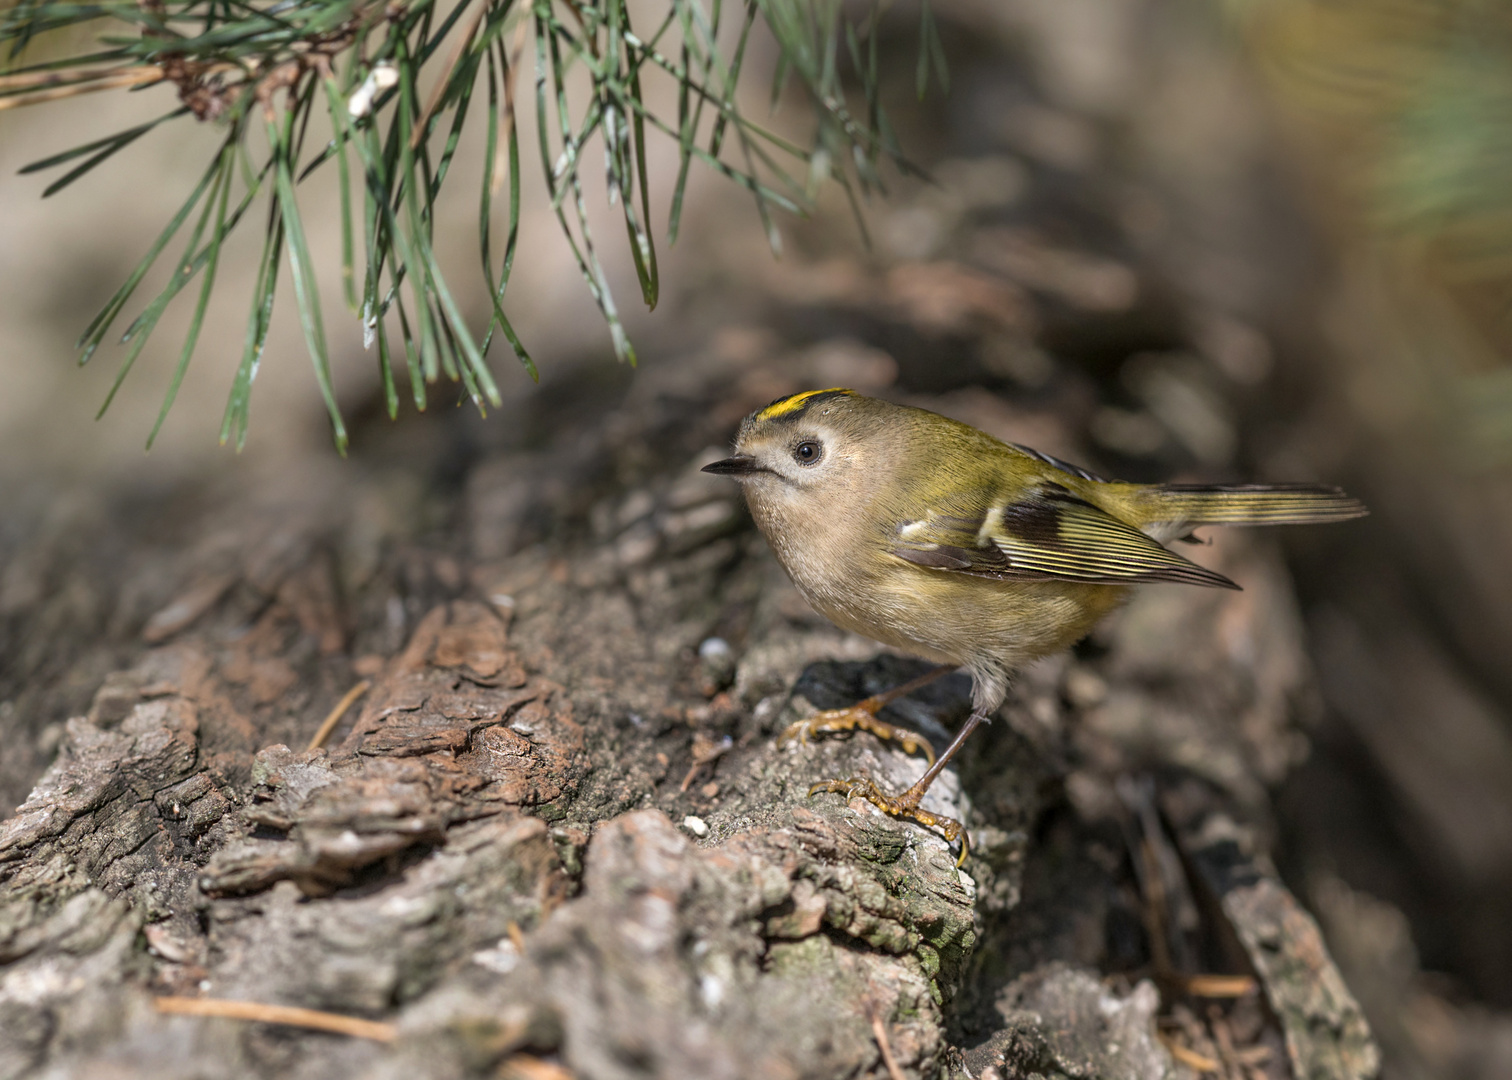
x=1219 y=986
x=1187 y=1056
x=880 y=1030
x=278 y=1014
x=333 y=718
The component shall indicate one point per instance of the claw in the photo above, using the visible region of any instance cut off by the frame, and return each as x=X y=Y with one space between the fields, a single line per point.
x=911 y=742
x=797 y=730
x=839 y=787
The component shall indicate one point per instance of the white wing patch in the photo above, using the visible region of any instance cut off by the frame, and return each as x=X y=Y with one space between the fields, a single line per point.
x=990 y=526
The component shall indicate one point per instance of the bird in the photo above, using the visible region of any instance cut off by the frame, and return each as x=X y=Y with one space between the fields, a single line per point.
x=930 y=536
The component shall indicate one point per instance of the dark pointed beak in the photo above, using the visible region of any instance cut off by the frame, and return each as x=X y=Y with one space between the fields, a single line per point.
x=739 y=465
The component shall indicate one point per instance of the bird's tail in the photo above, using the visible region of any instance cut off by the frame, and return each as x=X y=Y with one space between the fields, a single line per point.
x=1248 y=504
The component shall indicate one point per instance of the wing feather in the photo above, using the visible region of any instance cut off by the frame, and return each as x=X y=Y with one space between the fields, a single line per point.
x=1046 y=534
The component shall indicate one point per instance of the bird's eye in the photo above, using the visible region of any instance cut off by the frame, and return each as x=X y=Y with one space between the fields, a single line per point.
x=808 y=452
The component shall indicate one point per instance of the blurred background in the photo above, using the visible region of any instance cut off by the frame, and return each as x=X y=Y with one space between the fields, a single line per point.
x=1263 y=239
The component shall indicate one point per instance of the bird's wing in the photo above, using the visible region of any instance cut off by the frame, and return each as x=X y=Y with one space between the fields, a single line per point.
x=1045 y=533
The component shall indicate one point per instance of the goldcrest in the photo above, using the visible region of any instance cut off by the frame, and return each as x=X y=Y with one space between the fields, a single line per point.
x=939 y=540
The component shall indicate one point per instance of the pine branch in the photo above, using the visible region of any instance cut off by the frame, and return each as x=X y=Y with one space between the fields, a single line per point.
x=255 y=65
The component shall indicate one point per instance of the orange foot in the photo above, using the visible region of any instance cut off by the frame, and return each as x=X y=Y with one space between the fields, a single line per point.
x=861 y=715
x=904 y=806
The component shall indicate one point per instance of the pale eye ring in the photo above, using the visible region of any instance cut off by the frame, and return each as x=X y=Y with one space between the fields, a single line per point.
x=808 y=452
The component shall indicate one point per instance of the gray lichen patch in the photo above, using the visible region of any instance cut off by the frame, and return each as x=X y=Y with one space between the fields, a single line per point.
x=684 y=961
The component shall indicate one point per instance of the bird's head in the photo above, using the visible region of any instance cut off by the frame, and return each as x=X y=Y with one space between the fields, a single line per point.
x=805 y=445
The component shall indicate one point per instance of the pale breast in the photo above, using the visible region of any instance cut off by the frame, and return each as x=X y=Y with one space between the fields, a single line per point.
x=941 y=615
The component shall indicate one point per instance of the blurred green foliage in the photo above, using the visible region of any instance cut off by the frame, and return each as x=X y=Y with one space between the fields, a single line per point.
x=1408 y=108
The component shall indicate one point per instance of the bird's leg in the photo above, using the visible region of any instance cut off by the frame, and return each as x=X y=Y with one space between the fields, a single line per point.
x=907 y=805
x=863 y=715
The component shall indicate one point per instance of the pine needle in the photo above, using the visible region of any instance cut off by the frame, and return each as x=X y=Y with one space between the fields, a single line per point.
x=258 y=66
x=292 y=1016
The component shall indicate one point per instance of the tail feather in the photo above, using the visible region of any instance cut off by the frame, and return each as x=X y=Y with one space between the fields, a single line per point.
x=1249 y=504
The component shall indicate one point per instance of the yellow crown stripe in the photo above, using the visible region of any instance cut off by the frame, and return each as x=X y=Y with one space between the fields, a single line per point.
x=795 y=402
